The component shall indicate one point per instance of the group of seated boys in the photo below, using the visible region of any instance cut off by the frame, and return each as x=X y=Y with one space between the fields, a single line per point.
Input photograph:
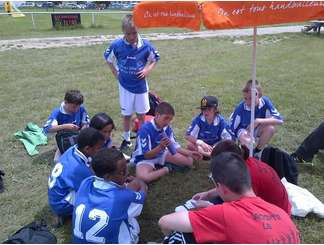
x=90 y=181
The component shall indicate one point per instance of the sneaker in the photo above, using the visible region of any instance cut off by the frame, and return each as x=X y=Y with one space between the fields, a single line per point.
x=1 y=181
x=175 y=168
x=297 y=158
x=257 y=154
x=125 y=145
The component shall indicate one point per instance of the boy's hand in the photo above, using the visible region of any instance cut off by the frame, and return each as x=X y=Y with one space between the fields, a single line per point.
x=71 y=126
x=196 y=155
x=142 y=74
x=165 y=142
x=200 y=196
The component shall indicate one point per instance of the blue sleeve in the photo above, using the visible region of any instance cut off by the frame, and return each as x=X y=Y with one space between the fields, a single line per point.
x=108 y=51
x=194 y=128
x=85 y=120
x=225 y=132
x=271 y=110
x=144 y=141
x=50 y=120
x=235 y=121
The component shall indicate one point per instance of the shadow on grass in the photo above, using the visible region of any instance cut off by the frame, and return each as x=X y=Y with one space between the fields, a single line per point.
x=45 y=157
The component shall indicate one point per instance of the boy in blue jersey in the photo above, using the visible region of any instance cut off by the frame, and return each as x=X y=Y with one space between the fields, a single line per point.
x=208 y=128
x=71 y=169
x=154 y=144
x=107 y=204
x=70 y=116
x=131 y=59
x=266 y=118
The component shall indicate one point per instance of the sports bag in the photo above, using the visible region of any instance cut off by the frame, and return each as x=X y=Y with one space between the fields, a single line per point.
x=34 y=233
x=154 y=100
x=66 y=139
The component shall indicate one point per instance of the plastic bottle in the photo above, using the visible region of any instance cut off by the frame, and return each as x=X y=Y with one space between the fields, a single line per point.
x=171 y=147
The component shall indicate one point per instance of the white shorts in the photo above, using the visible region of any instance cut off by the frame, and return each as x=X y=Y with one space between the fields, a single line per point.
x=152 y=162
x=130 y=102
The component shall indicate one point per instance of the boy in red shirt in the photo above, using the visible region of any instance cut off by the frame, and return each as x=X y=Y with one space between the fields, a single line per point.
x=242 y=218
x=265 y=181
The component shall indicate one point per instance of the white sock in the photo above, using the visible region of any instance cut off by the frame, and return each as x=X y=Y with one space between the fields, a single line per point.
x=127 y=136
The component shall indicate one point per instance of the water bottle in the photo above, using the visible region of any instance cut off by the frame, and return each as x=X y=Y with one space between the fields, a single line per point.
x=171 y=147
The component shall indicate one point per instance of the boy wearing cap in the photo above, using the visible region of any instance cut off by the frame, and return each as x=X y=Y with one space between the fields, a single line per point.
x=207 y=128
x=267 y=118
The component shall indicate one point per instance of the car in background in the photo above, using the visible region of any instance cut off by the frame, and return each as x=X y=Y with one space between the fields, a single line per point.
x=27 y=5
x=48 y=5
x=90 y=6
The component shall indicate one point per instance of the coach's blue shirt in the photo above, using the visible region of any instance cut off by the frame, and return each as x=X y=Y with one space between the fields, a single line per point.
x=241 y=117
x=129 y=60
x=209 y=133
x=59 y=116
x=65 y=179
x=149 y=137
x=104 y=212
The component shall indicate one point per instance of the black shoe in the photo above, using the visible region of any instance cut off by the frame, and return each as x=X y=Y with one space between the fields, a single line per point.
x=1 y=181
x=297 y=159
x=176 y=168
x=125 y=145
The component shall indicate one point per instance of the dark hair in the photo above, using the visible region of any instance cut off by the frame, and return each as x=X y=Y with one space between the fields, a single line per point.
x=89 y=137
x=101 y=120
x=229 y=169
x=73 y=97
x=164 y=108
x=248 y=86
x=105 y=161
x=230 y=146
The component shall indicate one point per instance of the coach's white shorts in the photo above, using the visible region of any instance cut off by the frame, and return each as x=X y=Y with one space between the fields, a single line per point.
x=130 y=102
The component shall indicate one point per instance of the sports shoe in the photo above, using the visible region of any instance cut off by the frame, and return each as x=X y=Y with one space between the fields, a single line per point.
x=1 y=181
x=175 y=168
x=125 y=145
x=297 y=159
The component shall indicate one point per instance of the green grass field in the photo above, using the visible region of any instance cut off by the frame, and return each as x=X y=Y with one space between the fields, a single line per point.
x=22 y=27
x=33 y=82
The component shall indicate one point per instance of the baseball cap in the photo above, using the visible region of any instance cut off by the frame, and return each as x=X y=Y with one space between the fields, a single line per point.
x=208 y=101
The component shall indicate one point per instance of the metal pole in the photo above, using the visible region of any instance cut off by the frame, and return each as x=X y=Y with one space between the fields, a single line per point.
x=253 y=92
x=33 y=21
x=93 y=19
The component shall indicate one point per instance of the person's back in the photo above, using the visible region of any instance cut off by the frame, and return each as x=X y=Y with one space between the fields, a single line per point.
x=267 y=185
x=105 y=209
x=247 y=220
x=73 y=167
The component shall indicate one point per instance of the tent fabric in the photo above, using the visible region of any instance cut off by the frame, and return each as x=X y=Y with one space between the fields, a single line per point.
x=168 y=14
x=241 y=14
x=224 y=14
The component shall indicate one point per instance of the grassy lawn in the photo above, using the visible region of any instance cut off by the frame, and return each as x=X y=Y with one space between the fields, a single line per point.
x=33 y=82
x=105 y=23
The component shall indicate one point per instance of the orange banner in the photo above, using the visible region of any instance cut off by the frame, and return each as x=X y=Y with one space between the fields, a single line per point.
x=240 y=14
x=167 y=14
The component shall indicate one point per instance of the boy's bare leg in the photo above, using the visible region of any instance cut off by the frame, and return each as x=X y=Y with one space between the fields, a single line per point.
x=266 y=133
x=179 y=159
x=148 y=174
x=126 y=123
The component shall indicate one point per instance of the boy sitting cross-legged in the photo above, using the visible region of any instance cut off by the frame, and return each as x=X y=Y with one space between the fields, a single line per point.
x=155 y=144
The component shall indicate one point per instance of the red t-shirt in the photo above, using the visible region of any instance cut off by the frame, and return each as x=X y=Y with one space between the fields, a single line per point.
x=267 y=185
x=248 y=220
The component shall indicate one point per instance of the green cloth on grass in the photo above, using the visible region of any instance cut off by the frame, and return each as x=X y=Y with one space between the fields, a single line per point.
x=32 y=137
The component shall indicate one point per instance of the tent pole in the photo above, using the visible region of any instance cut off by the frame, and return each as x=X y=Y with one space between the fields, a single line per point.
x=253 y=92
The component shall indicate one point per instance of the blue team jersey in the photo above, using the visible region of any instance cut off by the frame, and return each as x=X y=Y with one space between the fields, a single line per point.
x=209 y=133
x=149 y=137
x=129 y=60
x=241 y=117
x=65 y=179
x=105 y=213
x=59 y=116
